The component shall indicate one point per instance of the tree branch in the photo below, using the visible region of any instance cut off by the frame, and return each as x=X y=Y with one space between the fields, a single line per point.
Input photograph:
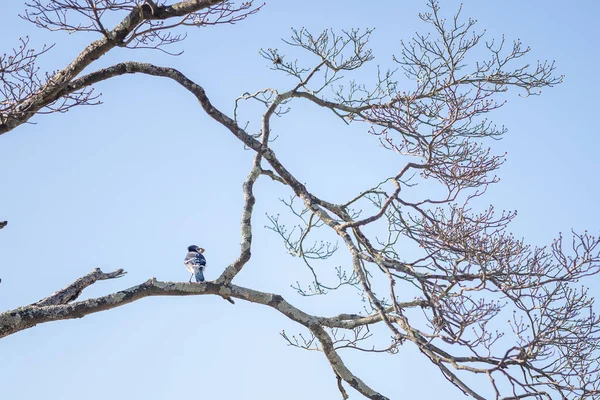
x=73 y=291
x=339 y=367
x=54 y=88
x=59 y=307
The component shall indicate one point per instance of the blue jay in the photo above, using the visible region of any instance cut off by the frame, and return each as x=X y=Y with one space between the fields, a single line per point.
x=195 y=262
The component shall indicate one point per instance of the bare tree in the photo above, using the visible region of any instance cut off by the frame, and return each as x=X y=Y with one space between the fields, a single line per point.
x=435 y=272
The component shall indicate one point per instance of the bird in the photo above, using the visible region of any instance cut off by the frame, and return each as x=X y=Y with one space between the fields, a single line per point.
x=195 y=262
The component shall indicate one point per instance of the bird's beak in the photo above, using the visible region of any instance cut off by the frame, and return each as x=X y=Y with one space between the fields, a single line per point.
x=201 y=250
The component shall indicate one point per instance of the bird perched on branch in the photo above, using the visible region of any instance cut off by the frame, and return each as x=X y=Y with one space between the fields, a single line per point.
x=195 y=262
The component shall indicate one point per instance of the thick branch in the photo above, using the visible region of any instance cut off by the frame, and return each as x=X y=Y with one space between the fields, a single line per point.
x=56 y=308
x=28 y=316
x=54 y=89
x=232 y=270
x=246 y=246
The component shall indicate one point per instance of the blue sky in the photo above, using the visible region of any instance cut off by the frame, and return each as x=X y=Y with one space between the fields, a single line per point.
x=132 y=182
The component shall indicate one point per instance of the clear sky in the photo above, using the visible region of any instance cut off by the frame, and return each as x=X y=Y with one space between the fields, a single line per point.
x=131 y=183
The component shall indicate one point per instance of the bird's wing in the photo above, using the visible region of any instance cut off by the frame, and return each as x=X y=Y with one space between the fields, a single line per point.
x=190 y=258
x=194 y=260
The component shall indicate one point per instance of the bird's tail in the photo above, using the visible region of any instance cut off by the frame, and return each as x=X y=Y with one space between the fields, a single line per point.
x=199 y=275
